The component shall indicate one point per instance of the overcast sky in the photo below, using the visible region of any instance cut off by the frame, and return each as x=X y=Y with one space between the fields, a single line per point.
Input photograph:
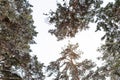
x=48 y=48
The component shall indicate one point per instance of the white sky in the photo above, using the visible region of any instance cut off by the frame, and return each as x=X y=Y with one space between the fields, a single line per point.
x=48 y=48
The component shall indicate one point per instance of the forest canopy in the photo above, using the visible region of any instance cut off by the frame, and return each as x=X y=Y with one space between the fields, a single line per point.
x=17 y=32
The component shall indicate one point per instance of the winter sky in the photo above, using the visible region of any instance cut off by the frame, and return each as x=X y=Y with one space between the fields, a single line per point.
x=48 y=48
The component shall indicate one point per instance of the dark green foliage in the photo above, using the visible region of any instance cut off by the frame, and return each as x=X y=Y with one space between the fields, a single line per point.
x=16 y=34
x=109 y=21
x=67 y=67
x=73 y=17
x=33 y=70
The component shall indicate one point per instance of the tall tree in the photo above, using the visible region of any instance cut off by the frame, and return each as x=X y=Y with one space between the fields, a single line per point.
x=16 y=35
x=75 y=15
x=72 y=17
x=33 y=70
x=69 y=66
x=109 y=21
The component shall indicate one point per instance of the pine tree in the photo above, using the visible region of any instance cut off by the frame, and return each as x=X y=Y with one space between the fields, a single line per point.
x=16 y=34
x=109 y=21
x=75 y=15
x=69 y=66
